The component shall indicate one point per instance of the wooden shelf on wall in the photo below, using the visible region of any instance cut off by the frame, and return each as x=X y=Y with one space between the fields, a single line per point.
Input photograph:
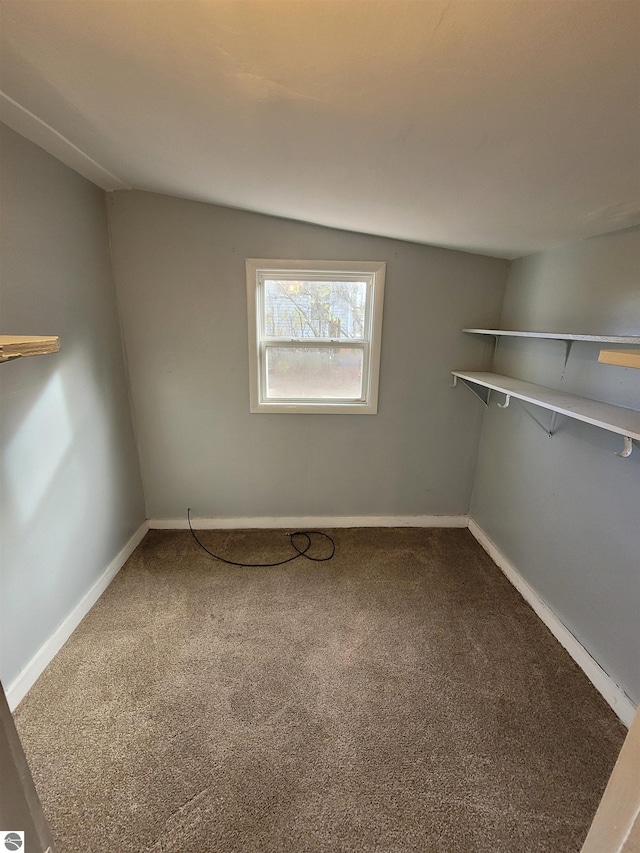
x=20 y=346
x=620 y=357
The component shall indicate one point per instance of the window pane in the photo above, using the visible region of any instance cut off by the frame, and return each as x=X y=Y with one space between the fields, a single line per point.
x=334 y=310
x=314 y=372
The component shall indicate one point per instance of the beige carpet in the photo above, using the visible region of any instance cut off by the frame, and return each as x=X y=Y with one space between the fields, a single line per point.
x=401 y=697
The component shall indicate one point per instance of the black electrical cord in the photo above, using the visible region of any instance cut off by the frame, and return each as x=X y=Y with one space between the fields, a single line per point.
x=300 y=552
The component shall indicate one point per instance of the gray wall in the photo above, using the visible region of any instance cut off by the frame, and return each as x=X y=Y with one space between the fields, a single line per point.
x=179 y=268
x=71 y=491
x=566 y=510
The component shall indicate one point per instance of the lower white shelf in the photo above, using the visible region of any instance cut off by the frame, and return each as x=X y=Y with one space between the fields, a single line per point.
x=625 y=422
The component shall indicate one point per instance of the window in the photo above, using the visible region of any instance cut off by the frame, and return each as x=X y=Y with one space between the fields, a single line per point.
x=314 y=335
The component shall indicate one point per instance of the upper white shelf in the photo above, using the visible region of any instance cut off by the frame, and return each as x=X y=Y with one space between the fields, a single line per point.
x=558 y=336
x=616 y=419
x=19 y=346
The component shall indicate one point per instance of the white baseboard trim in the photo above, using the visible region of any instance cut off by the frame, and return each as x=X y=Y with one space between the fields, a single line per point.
x=604 y=684
x=309 y=521
x=19 y=688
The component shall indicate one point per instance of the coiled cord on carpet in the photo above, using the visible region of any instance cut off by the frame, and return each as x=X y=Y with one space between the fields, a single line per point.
x=300 y=552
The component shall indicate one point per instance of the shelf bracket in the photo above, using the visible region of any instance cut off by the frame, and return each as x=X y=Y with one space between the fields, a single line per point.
x=507 y=400
x=496 y=341
x=628 y=447
x=567 y=353
x=483 y=400
x=472 y=388
x=552 y=428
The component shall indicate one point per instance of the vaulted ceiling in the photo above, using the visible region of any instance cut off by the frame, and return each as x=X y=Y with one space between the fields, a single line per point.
x=497 y=126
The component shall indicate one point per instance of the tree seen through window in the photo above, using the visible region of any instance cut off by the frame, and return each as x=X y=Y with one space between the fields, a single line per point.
x=315 y=309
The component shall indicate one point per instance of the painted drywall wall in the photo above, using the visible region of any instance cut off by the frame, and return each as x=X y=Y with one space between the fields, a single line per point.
x=179 y=268
x=71 y=490
x=564 y=509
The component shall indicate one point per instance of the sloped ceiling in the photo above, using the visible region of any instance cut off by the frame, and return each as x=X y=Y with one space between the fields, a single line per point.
x=497 y=127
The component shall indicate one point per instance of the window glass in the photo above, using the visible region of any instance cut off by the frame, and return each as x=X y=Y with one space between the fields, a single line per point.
x=315 y=309
x=298 y=373
x=315 y=330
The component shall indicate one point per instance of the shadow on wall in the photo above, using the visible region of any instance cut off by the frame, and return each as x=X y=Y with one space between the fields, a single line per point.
x=57 y=479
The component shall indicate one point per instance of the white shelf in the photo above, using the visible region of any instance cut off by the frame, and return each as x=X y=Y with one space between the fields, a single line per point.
x=558 y=336
x=625 y=422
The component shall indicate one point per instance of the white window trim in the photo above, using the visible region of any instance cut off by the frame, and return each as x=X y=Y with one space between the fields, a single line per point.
x=263 y=267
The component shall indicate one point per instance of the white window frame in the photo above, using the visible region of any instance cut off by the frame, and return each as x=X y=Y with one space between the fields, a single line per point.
x=373 y=272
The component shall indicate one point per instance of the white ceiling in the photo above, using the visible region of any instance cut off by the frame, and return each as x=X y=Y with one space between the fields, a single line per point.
x=498 y=126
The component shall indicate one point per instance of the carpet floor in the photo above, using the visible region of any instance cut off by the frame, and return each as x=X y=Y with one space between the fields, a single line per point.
x=401 y=697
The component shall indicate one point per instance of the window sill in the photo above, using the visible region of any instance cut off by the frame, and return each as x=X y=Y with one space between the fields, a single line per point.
x=311 y=408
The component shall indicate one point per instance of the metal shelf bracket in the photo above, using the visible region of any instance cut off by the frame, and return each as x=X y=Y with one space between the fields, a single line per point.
x=473 y=388
x=567 y=353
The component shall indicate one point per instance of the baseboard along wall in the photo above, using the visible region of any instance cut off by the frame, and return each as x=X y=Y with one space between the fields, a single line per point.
x=19 y=688
x=618 y=700
x=606 y=686
x=309 y=521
